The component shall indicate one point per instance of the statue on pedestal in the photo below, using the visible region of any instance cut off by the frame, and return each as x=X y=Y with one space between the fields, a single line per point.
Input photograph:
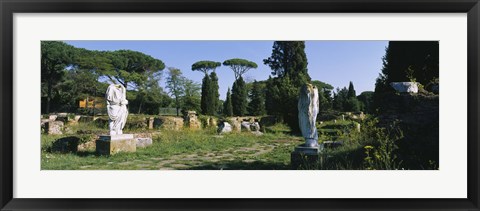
x=308 y=154
x=117 y=108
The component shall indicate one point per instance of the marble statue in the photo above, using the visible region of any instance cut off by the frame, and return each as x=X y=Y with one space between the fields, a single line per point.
x=307 y=114
x=117 y=108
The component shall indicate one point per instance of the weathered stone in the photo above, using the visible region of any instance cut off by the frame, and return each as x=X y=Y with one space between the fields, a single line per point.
x=255 y=126
x=192 y=120
x=112 y=144
x=224 y=127
x=43 y=122
x=236 y=124
x=77 y=118
x=52 y=117
x=150 y=122
x=63 y=119
x=405 y=87
x=143 y=142
x=168 y=123
x=62 y=114
x=143 y=135
x=212 y=121
x=245 y=126
x=54 y=127
x=89 y=145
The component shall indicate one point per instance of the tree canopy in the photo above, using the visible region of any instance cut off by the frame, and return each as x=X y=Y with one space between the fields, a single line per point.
x=205 y=66
x=131 y=67
x=289 y=59
x=55 y=58
x=240 y=66
x=175 y=84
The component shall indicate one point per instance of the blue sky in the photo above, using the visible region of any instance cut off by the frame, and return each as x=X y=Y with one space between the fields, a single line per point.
x=333 y=62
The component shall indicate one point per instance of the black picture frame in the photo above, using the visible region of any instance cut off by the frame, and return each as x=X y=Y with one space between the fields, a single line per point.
x=10 y=7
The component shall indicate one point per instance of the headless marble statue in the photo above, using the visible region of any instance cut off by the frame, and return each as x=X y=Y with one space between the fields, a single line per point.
x=117 y=108
x=307 y=114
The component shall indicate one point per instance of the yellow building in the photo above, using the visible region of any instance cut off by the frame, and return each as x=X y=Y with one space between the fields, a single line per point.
x=89 y=102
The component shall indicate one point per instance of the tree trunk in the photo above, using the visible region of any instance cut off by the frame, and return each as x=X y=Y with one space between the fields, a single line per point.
x=178 y=107
x=49 y=96
x=140 y=106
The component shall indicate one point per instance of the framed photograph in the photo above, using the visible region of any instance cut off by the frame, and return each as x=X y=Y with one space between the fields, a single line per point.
x=258 y=105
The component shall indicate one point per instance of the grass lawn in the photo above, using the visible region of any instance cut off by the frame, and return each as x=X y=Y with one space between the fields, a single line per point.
x=185 y=149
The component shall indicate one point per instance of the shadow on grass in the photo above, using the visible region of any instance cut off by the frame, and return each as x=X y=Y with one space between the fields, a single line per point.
x=87 y=154
x=241 y=165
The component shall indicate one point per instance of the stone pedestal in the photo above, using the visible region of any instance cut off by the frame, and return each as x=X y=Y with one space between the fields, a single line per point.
x=109 y=145
x=305 y=157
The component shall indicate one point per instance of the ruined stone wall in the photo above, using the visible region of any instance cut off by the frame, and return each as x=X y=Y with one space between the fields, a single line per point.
x=417 y=116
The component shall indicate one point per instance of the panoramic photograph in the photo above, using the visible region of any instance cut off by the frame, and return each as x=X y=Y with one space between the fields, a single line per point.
x=239 y=105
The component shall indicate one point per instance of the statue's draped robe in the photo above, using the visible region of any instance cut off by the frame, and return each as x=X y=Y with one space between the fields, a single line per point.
x=308 y=107
x=116 y=107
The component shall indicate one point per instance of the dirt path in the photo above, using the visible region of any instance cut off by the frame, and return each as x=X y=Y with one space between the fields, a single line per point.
x=231 y=158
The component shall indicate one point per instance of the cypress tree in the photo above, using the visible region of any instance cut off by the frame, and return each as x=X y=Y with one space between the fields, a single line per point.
x=257 y=100
x=205 y=102
x=227 y=105
x=239 y=97
x=214 y=95
x=351 y=90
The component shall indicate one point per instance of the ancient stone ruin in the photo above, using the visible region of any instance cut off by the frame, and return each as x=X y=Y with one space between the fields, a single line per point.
x=191 y=120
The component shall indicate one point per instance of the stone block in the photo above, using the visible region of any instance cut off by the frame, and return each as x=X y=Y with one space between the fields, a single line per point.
x=63 y=119
x=245 y=126
x=224 y=127
x=168 y=123
x=54 y=127
x=143 y=142
x=305 y=157
x=52 y=117
x=255 y=126
x=405 y=87
x=212 y=121
x=109 y=145
x=150 y=122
